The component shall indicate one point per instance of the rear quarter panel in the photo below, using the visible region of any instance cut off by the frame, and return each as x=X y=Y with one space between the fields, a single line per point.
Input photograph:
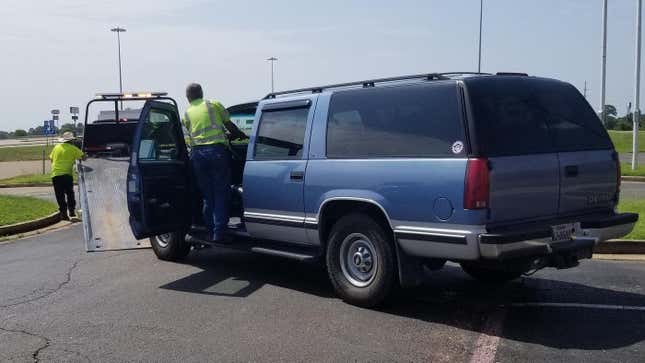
x=422 y=193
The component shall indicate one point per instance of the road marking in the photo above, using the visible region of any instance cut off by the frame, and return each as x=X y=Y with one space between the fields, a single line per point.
x=488 y=340
x=576 y=305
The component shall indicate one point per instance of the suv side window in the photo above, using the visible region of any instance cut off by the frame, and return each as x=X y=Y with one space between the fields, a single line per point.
x=404 y=121
x=509 y=119
x=281 y=134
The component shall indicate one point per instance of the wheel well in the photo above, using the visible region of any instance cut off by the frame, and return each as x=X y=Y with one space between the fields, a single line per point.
x=334 y=210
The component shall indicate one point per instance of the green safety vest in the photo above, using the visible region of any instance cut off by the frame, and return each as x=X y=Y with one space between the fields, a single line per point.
x=205 y=124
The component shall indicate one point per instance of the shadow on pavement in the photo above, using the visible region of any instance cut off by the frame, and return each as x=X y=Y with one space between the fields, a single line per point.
x=239 y=274
x=448 y=297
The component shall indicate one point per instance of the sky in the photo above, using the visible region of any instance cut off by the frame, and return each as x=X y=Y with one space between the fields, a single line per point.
x=60 y=53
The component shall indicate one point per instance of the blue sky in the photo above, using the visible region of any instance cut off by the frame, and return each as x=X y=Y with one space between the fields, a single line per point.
x=59 y=53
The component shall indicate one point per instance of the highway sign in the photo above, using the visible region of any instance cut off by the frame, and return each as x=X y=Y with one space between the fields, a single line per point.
x=73 y=109
x=55 y=112
x=49 y=128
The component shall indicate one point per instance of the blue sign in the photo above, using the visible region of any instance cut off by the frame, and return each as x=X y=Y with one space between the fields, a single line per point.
x=49 y=128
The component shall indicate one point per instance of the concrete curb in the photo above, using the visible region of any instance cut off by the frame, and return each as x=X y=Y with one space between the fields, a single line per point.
x=633 y=178
x=30 y=225
x=621 y=247
x=25 y=185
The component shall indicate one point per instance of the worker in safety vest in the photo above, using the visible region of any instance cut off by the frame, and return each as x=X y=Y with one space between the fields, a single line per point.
x=208 y=124
x=63 y=157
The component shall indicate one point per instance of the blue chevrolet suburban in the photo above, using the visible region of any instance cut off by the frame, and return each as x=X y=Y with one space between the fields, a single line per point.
x=386 y=179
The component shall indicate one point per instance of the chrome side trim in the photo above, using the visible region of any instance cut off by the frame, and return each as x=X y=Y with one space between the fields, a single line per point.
x=275 y=217
x=463 y=235
x=322 y=205
x=423 y=230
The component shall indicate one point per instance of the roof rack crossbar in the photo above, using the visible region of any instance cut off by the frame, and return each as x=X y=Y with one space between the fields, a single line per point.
x=372 y=82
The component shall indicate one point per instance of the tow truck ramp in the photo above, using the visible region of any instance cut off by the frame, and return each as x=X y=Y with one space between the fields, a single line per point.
x=103 y=197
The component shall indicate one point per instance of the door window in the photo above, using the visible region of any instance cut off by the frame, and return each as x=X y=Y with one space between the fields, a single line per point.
x=281 y=134
x=159 y=139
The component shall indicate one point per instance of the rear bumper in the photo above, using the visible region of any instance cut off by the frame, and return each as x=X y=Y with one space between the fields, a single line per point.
x=537 y=241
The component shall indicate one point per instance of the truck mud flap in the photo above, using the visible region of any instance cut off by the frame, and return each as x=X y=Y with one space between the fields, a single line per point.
x=102 y=186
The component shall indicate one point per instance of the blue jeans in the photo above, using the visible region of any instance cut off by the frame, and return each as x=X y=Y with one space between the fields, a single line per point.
x=212 y=169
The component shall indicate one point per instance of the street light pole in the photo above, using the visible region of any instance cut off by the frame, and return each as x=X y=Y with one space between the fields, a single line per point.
x=118 y=31
x=481 y=17
x=637 y=109
x=603 y=70
x=272 y=60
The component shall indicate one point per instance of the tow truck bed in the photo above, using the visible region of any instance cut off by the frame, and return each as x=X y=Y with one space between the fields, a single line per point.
x=102 y=185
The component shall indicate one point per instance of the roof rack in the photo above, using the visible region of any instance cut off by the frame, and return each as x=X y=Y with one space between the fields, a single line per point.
x=138 y=95
x=373 y=82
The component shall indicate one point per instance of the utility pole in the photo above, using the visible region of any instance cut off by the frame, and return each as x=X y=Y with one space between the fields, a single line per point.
x=118 y=31
x=585 y=90
x=603 y=71
x=481 y=17
x=272 y=60
x=637 y=109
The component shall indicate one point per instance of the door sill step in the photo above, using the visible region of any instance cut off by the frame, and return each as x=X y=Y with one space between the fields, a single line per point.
x=263 y=247
x=282 y=253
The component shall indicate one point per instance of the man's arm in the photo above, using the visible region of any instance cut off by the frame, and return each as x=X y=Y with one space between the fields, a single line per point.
x=236 y=134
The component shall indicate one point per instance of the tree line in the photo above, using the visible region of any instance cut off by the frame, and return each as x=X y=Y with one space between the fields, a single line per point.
x=623 y=123
x=39 y=131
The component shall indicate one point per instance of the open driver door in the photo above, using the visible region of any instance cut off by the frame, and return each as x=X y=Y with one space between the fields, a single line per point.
x=159 y=173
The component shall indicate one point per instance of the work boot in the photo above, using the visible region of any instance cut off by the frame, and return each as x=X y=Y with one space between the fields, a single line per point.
x=72 y=213
x=63 y=216
x=222 y=239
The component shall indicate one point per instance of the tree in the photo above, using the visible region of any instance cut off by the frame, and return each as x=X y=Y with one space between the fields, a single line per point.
x=610 y=110
x=20 y=133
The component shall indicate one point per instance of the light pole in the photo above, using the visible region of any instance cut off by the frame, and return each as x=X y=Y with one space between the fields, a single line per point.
x=272 y=60
x=637 y=109
x=118 y=31
x=603 y=69
x=481 y=17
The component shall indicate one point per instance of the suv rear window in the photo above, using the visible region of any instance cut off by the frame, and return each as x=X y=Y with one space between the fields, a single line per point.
x=517 y=116
x=404 y=121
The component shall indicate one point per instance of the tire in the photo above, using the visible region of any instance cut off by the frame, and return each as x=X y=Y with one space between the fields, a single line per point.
x=361 y=261
x=491 y=275
x=170 y=246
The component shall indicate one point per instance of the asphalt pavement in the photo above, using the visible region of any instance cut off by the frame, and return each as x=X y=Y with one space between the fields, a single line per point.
x=58 y=303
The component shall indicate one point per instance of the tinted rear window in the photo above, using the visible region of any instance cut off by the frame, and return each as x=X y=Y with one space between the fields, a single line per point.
x=408 y=121
x=516 y=116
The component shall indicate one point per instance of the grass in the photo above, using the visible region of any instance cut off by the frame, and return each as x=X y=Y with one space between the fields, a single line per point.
x=635 y=206
x=623 y=140
x=15 y=209
x=626 y=170
x=22 y=153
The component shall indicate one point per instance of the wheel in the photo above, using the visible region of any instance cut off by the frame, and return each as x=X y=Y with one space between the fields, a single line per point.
x=491 y=275
x=361 y=261
x=170 y=246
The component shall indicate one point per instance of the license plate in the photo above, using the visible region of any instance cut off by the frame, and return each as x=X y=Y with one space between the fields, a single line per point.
x=563 y=232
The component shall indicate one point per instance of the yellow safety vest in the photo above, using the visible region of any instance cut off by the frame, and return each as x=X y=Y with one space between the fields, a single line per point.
x=205 y=125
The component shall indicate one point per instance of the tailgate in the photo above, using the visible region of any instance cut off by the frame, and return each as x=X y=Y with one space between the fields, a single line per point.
x=102 y=185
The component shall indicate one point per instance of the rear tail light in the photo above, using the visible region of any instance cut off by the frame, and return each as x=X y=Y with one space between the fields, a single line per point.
x=476 y=189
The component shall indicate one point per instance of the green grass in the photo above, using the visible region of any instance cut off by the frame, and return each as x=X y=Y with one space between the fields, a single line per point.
x=30 y=179
x=635 y=206
x=15 y=209
x=626 y=169
x=22 y=153
x=623 y=140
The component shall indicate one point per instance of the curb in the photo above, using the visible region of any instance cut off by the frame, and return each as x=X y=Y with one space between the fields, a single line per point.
x=30 y=225
x=621 y=247
x=6 y=186
x=633 y=178
x=25 y=185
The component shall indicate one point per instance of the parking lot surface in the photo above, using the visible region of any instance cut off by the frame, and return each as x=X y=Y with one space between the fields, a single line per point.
x=58 y=303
